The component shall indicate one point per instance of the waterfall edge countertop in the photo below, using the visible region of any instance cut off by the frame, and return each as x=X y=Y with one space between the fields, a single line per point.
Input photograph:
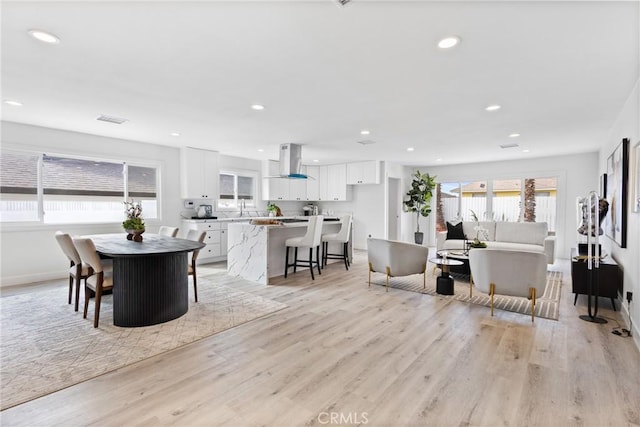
x=257 y=252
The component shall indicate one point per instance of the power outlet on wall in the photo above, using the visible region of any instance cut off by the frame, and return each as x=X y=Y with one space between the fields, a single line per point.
x=188 y=204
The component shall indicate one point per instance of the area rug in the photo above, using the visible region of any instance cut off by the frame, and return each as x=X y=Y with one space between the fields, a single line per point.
x=547 y=306
x=46 y=346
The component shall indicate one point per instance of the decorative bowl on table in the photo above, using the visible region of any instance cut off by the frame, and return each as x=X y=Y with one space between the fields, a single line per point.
x=135 y=235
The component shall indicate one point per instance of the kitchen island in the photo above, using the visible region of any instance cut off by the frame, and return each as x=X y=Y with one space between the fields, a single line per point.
x=257 y=252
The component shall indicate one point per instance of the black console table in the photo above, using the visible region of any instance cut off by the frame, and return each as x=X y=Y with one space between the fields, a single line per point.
x=609 y=278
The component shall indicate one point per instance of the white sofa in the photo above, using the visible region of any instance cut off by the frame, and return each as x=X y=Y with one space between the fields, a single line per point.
x=519 y=236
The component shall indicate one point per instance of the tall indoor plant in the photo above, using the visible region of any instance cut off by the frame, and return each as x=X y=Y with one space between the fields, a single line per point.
x=418 y=199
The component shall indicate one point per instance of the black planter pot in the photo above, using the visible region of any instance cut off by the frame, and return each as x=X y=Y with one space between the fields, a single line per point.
x=418 y=236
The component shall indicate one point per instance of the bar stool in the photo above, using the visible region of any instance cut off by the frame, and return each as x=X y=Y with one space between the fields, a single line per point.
x=311 y=239
x=341 y=236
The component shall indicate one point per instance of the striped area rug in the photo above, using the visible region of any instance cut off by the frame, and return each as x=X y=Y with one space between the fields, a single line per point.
x=547 y=306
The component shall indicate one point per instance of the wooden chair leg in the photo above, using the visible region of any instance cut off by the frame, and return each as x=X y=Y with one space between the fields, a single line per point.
x=370 y=270
x=318 y=262
x=96 y=315
x=86 y=300
x=295 y=259
x=78 y=292
x=70 y=288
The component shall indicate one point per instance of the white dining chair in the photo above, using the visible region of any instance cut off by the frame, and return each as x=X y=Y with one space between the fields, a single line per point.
x=101 y=280
x=196 y=236
x=168 y=231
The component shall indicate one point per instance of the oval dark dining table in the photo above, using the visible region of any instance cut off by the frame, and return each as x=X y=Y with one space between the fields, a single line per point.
x=150 y=281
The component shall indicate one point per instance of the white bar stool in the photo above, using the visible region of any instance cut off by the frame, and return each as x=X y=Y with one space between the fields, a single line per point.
x=341 y=236
x=311 y=239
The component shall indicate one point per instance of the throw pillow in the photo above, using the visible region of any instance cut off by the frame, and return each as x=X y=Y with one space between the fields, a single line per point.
x=454 y=232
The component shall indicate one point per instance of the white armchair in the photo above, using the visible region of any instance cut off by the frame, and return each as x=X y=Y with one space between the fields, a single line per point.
x=396 y=258
x=509 y=272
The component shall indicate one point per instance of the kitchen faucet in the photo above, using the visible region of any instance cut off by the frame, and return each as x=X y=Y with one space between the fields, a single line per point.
x=242 y=206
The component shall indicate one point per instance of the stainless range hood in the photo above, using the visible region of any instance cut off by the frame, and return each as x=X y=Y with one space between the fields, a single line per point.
x=291 y=161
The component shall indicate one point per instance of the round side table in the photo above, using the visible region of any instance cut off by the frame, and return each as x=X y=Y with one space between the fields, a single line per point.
x=444 y=282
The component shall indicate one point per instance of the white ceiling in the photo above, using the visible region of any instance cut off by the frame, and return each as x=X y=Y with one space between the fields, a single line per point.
x=562 y=72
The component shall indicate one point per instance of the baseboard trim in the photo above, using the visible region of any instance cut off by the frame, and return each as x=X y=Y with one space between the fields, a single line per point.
x=32 y=278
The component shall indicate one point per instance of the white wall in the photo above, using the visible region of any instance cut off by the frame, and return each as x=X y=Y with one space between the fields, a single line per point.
x=627 y=126
x=29 y=251
x=577 y=175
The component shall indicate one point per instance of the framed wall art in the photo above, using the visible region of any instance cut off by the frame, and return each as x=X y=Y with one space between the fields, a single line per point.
x=636 y=178
x=617 y=194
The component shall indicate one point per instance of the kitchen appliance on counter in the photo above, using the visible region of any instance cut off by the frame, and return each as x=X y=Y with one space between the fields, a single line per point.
x=205 y=211
x=310 y=209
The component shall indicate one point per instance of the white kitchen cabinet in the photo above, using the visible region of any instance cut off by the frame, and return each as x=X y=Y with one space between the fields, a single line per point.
x=298 y=187
x=323 y=186
x=274 y=188
x=337 y=182
x=363 y=172
x=313 y=183
x=199 y=174
x=213 y=251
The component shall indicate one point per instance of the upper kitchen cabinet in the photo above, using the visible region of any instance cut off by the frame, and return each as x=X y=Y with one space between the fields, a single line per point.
x=313 y=182
x=363 y=172
x=273 y=187
x=298 y=187
x=336 y=182
x=199 y=173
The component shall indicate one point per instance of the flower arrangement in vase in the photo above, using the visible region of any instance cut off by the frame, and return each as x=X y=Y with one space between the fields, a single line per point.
x=134 y=224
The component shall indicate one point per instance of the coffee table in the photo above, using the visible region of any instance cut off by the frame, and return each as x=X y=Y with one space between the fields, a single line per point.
x=444 y=282
x=457 y=254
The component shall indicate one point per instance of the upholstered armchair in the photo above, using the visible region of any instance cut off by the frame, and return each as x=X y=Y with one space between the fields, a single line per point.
x=509 y=272
x=396 y=259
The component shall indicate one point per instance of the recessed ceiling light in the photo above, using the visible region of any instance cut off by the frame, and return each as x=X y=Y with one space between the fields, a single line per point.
x=410 y=149
x=438 y=160
x=448 y=42
x=525 y=151
x=512 y=145
x=174 y=134
x=364 y=132
x=494 y=107
x=44 y=36
x=514 y=135
x=257 y=107
x=13 y=103
x=260 y=150
x=315 y=160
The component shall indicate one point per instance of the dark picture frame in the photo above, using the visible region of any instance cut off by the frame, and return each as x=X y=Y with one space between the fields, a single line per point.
x=617 y=193
x=603 y=186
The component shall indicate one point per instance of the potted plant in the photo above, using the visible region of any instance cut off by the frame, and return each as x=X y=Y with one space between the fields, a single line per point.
x=134 y=224
x=418 y=199
x=273 y=209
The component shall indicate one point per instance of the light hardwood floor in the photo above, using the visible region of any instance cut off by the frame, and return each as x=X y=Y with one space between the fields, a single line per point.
x=346 y=354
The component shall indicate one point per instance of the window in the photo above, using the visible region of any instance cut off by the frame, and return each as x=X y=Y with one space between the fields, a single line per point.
x=18 y=187
x=517 y=199
x=73 y=190
x=237 y=187
x=459 y=200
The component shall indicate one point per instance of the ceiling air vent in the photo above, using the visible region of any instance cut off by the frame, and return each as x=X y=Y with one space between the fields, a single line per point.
x=343 y=2
x=513 y=145
x=111 y=119
x=366 y=142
